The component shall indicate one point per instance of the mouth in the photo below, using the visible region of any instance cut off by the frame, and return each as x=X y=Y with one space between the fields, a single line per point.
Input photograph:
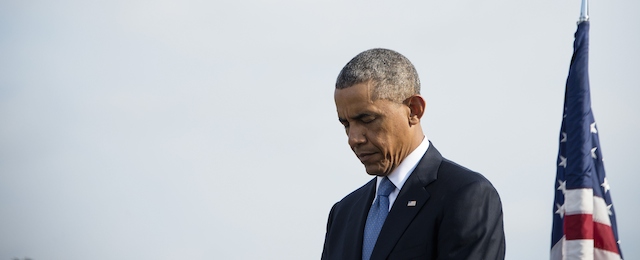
x=365 y=156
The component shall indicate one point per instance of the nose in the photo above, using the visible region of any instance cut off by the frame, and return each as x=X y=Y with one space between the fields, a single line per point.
x=356 y=136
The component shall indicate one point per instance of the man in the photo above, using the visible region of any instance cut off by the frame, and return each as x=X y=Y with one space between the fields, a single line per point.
x=419 y=205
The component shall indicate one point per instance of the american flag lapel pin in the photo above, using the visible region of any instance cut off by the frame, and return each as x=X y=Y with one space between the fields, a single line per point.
x=411 y=203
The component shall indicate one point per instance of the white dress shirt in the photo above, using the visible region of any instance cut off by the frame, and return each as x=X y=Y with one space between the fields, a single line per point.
x=401 y=173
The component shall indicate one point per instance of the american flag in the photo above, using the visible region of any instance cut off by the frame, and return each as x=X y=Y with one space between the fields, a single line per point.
x=584 y=221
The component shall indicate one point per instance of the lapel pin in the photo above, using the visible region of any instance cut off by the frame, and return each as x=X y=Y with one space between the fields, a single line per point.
x=411 y=203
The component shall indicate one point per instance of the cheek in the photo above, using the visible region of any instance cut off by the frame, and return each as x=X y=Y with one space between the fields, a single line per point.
x=383 y=139
x=396 y=135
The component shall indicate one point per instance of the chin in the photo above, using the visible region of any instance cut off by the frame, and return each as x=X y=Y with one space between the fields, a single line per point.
x=375 y=171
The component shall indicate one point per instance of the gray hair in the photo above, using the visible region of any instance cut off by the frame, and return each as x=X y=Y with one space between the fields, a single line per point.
x=393 y=76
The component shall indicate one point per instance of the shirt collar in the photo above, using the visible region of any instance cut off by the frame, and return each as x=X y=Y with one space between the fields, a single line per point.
x=401 y=173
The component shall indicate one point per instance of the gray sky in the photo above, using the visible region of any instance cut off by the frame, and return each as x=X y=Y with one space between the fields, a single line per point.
x=207 y=130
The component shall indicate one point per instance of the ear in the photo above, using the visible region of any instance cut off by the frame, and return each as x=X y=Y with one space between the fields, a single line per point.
x=417 y=106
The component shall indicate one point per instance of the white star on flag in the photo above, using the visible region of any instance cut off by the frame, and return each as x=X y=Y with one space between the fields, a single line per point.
x=564 y=137
x=593 y=153
x=560 y=210
x=562 y=185
x=593 y=128
x=563 y=161
x=605 y=185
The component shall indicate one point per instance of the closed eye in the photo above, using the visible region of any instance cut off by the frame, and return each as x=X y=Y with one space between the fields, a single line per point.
x=367 y=119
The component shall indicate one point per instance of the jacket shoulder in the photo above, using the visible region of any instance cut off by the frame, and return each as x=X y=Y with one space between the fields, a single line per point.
x=458 y=175
x=355 y=195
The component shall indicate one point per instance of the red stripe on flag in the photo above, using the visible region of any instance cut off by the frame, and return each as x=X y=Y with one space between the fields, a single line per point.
x=579 y=226
x=604 y=238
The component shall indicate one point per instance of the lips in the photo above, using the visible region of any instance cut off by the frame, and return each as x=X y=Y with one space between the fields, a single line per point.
x=365 y=156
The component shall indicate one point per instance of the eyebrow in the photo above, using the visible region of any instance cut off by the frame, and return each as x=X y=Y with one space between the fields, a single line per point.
x=356 y=117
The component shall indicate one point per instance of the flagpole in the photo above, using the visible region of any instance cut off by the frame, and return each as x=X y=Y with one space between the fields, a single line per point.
x=584 y=11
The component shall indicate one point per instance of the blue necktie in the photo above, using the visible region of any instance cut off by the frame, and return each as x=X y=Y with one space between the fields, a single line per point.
x=377 y=215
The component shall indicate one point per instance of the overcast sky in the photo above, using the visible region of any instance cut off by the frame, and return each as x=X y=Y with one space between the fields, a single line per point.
x=207 y=129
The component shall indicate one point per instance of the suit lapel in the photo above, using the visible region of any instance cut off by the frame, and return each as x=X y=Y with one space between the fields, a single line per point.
x=409 y=202
x=357 y=220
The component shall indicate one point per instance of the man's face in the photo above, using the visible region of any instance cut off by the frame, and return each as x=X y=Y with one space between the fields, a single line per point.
x=378 y=130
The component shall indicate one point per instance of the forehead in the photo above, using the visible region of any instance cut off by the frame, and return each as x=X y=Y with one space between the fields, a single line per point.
x=357 y=99
x=357 y=91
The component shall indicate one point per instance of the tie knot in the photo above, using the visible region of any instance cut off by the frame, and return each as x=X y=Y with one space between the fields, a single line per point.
x=386 y=187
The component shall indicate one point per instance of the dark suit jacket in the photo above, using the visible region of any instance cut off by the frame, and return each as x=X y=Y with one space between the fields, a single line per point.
x=457 y=215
